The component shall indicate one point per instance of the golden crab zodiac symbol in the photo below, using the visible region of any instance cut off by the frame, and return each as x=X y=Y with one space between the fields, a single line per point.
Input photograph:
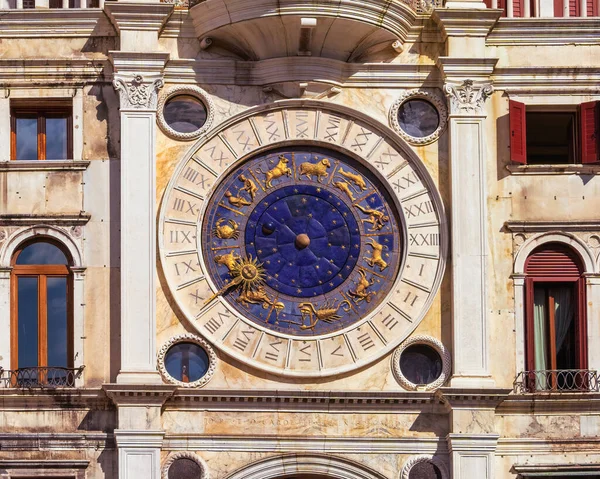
x=226 y=231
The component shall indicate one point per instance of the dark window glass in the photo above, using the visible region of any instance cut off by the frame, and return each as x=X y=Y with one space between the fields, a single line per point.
x=186 y=362
x=185 y=113
x=551 y=138
x=421 y=364
x=41 y=253
x=56 y=139
x=418 y=118
x=28 y=321
x=27 y=138
x=425 y=470
x=57 y=321
x=185 y=469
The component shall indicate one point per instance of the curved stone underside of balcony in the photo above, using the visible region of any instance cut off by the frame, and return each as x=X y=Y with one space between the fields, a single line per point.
x=346 y=30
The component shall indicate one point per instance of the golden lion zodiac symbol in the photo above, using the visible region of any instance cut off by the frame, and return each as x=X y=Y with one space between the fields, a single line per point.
x=281 y=169
x=361 y=293
x=376 y=218
x=376 y=259
x=315 y=169
x=327 y=312
x=228 y=231
x=356 y=179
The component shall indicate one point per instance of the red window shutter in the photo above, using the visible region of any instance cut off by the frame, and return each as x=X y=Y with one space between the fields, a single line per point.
x=553 y=262
x=589 y=119
x=574 y=10
x=518 y=8
x=518 y=143
x=558 y=8
x=592 y=8
x=488 y=3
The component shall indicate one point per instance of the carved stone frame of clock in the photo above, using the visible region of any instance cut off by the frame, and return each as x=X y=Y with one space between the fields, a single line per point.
x=320 y=124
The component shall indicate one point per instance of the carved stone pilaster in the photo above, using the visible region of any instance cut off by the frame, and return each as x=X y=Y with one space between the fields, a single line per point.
x=138 y=93
x=468 y=98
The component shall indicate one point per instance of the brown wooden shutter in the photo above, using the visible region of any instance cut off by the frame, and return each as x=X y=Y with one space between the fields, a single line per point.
x=518 y=8
x=488 y=3
x=592 y=8
x=589 y=119
x=558 y=8
x=518 y=141
x=574 y=10
x=554 y=262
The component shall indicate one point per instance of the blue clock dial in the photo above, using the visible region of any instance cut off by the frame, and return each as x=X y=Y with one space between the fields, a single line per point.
x=303 y=242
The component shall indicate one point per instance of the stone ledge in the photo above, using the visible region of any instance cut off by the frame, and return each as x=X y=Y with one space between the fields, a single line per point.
x=55 y=220
x=45 y=165
x=554 y=169
x=53 y=399
x=545 y=31
x=543 y=226
x=544 y=403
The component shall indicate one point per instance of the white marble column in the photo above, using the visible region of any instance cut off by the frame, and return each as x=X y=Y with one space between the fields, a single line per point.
x=469 y=237
x=472 y=455
x=138 y=98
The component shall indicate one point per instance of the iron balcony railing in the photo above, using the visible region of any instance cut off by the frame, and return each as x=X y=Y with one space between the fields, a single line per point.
x=40 y=377
x=560 y=380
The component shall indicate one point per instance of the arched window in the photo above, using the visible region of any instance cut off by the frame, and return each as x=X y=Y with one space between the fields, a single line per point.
x=556 y=333
x=41 y=313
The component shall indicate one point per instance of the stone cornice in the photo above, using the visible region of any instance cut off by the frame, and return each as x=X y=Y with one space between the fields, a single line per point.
x=310 y=401
x=462 y=22
x=138 y=16
x=38 y=72
x=543 y=80
x=43 y=464
x=558 y=225
x=550 y=403
x=138 y=395
x=334 y=72
x=36 y=165
x=147 y=64
x=61 y=219
x=472 y=398
x=56 y=23
x=457 y=69
x=545 y=31
x=40 y=441
x=472 y=443
x=53 y=399
x=545 y=445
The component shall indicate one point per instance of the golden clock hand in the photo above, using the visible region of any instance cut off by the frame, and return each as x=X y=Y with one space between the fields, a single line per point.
x=236 y=281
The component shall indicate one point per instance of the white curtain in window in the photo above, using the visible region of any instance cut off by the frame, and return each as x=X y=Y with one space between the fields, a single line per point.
x=540 y=335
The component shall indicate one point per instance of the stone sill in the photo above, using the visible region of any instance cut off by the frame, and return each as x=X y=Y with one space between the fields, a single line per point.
x=44 y=165
x=31 y=220
x=553 y=169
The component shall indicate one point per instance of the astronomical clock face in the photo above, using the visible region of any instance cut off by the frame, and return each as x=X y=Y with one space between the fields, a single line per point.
x=302 y=241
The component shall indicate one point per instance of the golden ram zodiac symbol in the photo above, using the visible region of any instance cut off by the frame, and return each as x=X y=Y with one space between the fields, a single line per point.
x=319 y=169
x=376 y=259
x=281 y=169
x=228 y=231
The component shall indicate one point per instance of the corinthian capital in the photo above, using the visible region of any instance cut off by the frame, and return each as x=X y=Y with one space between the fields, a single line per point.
x=137 y=93
x=467 y=98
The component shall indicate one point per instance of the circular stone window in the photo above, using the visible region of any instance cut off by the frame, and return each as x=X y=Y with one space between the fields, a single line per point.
x=187 y=361
x=185 y=112
x=419 y=117
x=421 y=363
x=424 y=467
x=184 y=465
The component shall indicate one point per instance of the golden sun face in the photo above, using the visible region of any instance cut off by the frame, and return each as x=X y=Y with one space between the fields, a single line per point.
x=249 y=273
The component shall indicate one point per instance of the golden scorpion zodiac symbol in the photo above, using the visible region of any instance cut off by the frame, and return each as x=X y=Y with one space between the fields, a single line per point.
x=328 y=312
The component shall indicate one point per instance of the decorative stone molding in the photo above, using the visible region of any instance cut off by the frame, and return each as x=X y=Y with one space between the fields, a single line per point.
x=187 y=338
x=138 y=394
x=32 y=220
x=138 y=93
x=44 y=468
x=36 y=165
x=429 y=341
x=185 y=455
x=413 y=461
x=430 y=97
x=197 y=93
x=467 y=98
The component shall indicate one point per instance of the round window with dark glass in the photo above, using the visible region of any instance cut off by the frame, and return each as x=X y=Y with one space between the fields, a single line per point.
x=186 y=362
x=418 y=118
x=423 y=470
x=420 y=364
x=184 y=113
x=184 y=468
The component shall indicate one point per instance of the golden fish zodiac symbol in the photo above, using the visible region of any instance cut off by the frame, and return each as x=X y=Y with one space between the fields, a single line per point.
x=315 y=169
x=376 y=218
x=361 y=293
x=281 y=169
x=376 y=259
x=226 y=231
x=237 y=200
x=345 y=187
x=326 y=312
x=356 y=179
x=249 y=186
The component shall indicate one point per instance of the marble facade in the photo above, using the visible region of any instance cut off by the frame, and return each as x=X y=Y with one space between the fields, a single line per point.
x=342 y=419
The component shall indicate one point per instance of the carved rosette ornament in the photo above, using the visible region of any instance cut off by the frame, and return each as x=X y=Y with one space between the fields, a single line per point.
x=138 y=93
x=467 y=98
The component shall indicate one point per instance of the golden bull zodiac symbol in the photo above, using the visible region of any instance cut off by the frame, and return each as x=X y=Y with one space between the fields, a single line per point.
x=315 y=169
x=344 y=187
x=249 y=186
x=356 y=179
x=361 y=293
x=376 y=259
x=327 y=312
x=227 y=231
x=278 y=171
x=376 y=218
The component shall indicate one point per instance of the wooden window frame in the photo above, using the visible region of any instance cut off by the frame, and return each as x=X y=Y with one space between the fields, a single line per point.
x=57 y=109
x=42 y=273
